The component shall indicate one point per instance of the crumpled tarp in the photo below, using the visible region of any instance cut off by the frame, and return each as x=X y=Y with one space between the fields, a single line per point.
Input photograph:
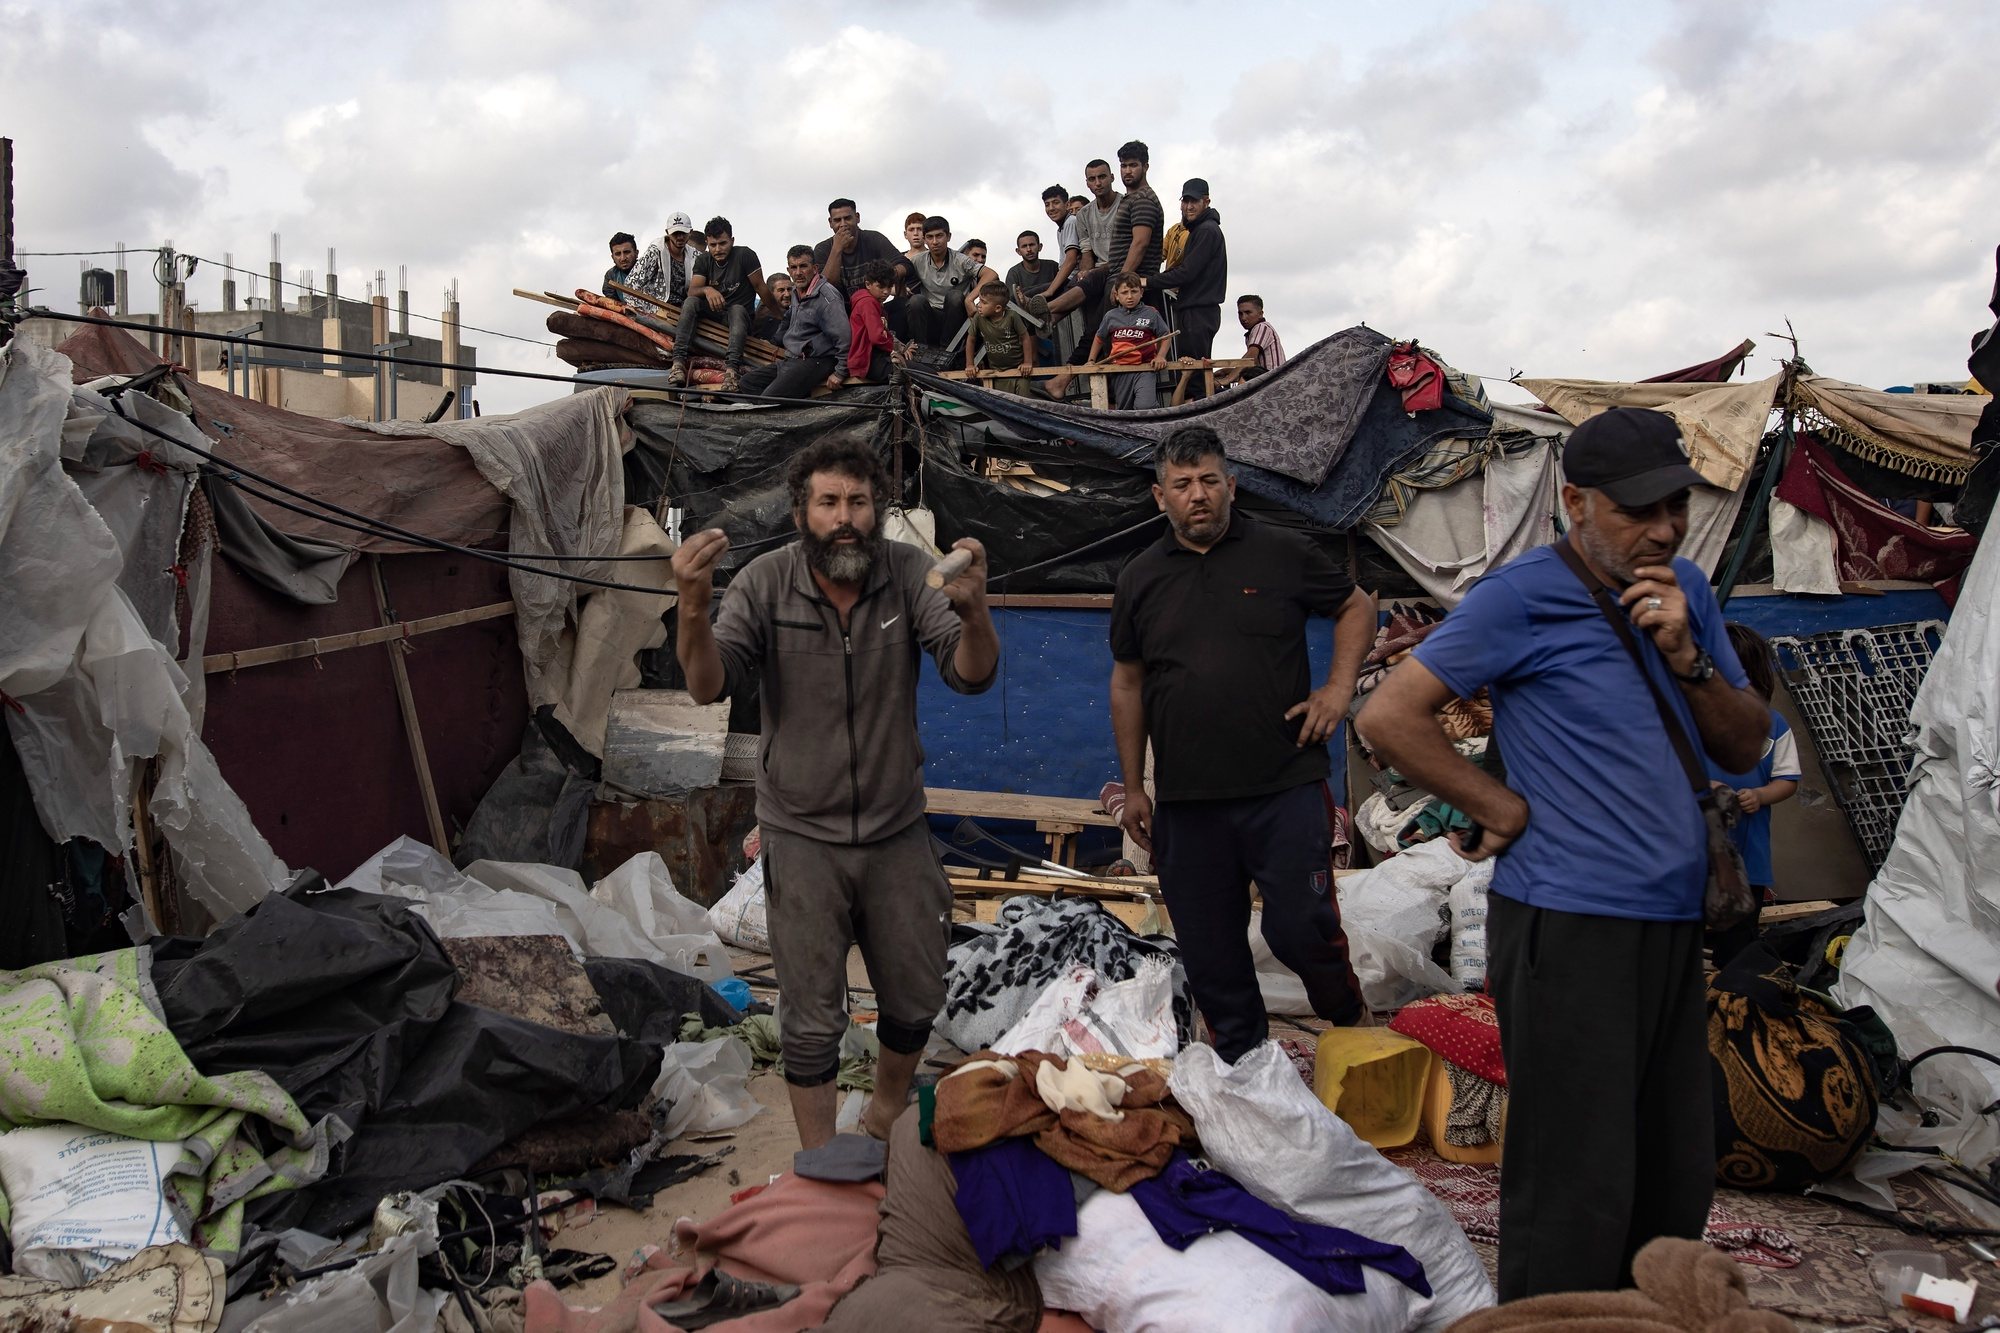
x=559 y=463
x=1920 y=434
x=84 y=1043
x=346 y=1000
x=1296 y=399
x=94 y=689
x=1722 y=423
x=1927 y=953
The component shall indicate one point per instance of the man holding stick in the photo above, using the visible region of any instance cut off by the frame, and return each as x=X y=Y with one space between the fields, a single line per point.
x=835 y=626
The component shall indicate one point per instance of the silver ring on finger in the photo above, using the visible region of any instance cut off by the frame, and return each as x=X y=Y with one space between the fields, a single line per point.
x=1654 y=603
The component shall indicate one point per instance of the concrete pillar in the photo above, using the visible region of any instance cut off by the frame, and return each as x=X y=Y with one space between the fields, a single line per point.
x=332 y=287
x=124 y=286
x=277 y=276
x=450 y=337
x=402 y=300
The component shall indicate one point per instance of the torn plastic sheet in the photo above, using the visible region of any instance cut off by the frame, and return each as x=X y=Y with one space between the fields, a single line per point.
x=382 y=1293
x=96 y=692
x=634 y=912
x=707 y=1084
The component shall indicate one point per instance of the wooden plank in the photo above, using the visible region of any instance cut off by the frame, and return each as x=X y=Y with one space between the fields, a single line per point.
x=1186 y=363
x=1790 y=911
x=334 y=643
x=1100 y=393
x=546 y=299
x=406 y=701
x=1146 y=918
x=1014 y=805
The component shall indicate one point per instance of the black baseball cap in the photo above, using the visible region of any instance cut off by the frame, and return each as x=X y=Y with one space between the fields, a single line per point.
x=1632 y=454
x=1196 y=188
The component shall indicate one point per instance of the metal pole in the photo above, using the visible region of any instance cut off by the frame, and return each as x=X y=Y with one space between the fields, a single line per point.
x=233 y=354
x=384 y=349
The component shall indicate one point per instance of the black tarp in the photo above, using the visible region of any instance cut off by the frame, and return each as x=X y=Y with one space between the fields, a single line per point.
x=345 y=999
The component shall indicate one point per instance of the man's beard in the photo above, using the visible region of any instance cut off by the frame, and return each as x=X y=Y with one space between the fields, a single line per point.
x=842 y=563
x=1206 y=530
x=1616 y=566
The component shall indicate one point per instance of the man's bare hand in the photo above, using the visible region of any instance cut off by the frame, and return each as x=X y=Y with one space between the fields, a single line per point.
x=967 y=592
x=713 y=297
x=1658 y=606
x=1137 y=819
x=1323 y=710
x=694 y=567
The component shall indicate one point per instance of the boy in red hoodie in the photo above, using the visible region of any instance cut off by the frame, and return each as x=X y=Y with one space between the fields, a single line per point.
x=870 y=348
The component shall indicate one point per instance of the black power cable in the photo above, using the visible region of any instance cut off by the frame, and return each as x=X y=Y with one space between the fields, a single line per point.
x=330 y=353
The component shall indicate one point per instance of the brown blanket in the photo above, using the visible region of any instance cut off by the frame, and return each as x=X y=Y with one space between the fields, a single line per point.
x=976 y=1108
x=1684 y=1287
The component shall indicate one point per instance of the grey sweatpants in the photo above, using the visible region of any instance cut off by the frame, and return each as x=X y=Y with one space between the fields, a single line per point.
x=890 y=897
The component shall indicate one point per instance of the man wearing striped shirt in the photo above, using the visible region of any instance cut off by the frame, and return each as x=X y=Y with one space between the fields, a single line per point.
x=1260 y=340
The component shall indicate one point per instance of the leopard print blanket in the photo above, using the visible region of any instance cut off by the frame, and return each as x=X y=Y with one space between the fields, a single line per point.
x=996 y=972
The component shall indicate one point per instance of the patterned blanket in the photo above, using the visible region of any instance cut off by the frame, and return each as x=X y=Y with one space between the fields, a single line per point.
x=82 y=1042
x=993 y=977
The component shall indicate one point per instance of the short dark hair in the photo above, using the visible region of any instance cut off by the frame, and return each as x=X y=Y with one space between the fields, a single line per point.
x=798 y=250
x=1026 y=234
x=879 y=271
x=1097 y=162
x=1055 y=192
x=1257 y=301
x=1134 y=151
x=847 y=458
x=842 y=203
x=1079 y=199
x=1187 y=446
x=1124 y=280
x=970 y=242
x=995 y=288
x=1753 y=650
x=718 y=226
x=935 y=223
x=619 y=238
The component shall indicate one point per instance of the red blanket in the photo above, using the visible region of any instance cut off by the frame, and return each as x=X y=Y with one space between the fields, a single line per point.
x=1872 y=541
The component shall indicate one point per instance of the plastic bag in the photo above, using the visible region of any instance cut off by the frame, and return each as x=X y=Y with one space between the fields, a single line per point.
x=1260 y=1123
x=1393 y=916
x=1282 y=990
x=741 y=917
x=603 y=931
x=1468 y=926
x=707 y=1084
x=1078 y=1014
x=83 y=1202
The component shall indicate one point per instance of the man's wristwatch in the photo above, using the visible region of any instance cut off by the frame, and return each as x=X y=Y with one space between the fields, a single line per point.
x=1704 y=667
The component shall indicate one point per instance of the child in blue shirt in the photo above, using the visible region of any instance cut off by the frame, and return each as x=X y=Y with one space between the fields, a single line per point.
x=1775 y=779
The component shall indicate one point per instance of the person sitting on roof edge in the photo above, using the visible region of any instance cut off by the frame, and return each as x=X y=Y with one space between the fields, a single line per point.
x=624 y=254
x=727 y=281
x=1132 y=334
x=948 y=279
x=840 y=256
x=871 y=348
x=1009 y=342
x=662 y=272
x=770 y=317
x=814 y=334
x=1260 y=341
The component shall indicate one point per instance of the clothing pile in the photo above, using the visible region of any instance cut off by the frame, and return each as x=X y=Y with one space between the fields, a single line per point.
x=1398 y=814
x=1464 y=1033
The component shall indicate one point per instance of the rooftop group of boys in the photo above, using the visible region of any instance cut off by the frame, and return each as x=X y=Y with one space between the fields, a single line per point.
x=849 y=308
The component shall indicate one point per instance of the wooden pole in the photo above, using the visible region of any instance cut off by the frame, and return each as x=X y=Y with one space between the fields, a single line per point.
x=142 y=843
x=407 y=702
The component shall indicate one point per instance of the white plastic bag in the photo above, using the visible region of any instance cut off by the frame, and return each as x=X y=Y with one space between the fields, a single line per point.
x=1393 y=917
x=1121 y=1277
x=1078 y=1014
x=741 y=916
x=1283 y=992
x=82 y=1201
x=606 y=932
x=642 y=891
x=1260 y=1123
x=708 y=1085
x=1468 y=926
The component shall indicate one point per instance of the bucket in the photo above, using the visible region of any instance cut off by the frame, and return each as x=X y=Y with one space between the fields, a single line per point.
x=1375 y=1080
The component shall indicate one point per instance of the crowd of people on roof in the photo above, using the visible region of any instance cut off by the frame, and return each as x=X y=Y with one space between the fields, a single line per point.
x=1119 y=287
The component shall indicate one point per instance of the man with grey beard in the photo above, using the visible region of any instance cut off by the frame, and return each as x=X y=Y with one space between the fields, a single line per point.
x=1594 y=925
x=834 y=627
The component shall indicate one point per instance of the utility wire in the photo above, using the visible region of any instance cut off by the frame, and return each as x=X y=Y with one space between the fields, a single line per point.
x=59 y=254
x=329 y=353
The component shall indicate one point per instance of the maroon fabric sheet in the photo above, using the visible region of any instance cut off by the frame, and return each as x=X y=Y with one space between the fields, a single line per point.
x=1872 y=541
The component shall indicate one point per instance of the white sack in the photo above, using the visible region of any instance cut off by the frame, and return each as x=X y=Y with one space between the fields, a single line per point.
x=1079 y=1014
x=1393 y=915
x=82 y=1201
x=1260 y=1123
x=1121 y=1277
x=741 y=916
x=1468 y=926
x=1804 y=554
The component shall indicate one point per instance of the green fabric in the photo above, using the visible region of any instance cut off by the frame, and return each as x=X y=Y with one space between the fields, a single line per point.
x=858 y=1048
x=82 y=1043
x=1434 y=821
x=926 y=1113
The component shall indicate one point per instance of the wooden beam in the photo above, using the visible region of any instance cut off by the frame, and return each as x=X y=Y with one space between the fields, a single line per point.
x=1096 y=368
x=545 y=299
x=407 y=702
x=334 y=643
x=1014 y=805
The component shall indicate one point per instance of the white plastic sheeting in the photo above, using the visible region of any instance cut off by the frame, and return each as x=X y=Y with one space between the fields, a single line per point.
x=634 y=912
x=1927 y=956
x=96 y=692
x=1393 y=915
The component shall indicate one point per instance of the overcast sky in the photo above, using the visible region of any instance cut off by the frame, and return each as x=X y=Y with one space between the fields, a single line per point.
x=1543 y=187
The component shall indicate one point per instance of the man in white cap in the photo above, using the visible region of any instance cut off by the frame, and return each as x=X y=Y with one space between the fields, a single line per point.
x=662 y=272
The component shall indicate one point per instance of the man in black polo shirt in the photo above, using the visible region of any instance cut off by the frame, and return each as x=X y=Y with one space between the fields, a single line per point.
x=1208 y=637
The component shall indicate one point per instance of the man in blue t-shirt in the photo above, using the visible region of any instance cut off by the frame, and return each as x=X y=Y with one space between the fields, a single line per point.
x=1595 y=926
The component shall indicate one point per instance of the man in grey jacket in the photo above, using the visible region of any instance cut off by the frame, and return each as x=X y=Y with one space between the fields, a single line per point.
x=814 y=331
x=834 y=626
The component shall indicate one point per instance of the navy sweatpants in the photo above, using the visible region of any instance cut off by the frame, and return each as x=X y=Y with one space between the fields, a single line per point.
x=1207 y=854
